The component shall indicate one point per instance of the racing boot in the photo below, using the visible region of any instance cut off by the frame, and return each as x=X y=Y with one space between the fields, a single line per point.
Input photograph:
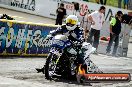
x=39 y=70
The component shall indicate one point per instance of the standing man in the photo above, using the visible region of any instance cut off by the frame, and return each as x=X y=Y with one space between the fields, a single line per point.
x=103 y=2
x=85 y=24
x=126 y=4
x=119 y=3
x=97 y=19
x=115 y=29
x=61 y=13
x=130 y=5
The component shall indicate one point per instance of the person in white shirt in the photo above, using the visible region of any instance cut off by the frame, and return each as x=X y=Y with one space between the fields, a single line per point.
x=85 y=24
x=97 y=19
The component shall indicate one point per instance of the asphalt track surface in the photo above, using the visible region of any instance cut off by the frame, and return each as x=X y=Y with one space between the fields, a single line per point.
x=20 y=71
x=16 y=71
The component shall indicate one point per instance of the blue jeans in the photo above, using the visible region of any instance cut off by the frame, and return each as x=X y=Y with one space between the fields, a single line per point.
x=113 y=38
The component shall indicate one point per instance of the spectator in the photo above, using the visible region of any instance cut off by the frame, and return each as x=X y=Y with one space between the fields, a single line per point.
x=115 y=29
x=85 y=24
x=61 y=12
x=130 y=5
x=119 y=3
x=97 y=19
x=103 y=2
x=126 y=4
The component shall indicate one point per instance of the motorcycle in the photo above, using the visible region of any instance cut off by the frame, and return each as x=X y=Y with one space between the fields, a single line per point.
x=63 y=61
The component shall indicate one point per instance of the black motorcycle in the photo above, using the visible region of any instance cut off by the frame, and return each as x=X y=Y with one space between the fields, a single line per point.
x=63 y=58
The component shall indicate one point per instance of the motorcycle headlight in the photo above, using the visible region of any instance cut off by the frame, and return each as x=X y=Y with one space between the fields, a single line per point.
x=86 y=45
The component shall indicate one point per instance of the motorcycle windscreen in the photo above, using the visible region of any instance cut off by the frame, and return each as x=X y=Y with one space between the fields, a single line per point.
x=60 y=43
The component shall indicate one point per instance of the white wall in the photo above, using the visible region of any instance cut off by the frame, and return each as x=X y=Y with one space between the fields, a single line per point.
x=48 y=8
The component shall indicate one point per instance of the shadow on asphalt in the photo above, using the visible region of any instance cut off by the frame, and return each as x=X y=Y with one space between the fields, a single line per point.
x=71 y=81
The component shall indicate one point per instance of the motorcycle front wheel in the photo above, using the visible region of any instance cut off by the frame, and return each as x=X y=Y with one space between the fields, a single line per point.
x=50 y=66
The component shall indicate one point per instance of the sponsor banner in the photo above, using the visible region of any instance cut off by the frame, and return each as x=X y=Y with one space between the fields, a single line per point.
x=48 y=8
x=106 y=77
x=37 y=7
x=23 y=4
x=24 y=38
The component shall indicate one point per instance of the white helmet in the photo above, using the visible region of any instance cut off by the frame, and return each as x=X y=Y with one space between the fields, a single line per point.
x=71 y=22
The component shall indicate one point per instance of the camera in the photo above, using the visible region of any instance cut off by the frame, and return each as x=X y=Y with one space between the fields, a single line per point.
x=127 y=19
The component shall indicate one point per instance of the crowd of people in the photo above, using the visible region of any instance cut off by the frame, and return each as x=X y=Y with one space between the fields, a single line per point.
x=92 y=24
x=126 y=4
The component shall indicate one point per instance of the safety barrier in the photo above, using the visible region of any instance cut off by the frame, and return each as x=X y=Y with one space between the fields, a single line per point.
x=20 y=38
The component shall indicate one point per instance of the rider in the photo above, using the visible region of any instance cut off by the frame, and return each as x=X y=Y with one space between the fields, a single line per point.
x=72 y=30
